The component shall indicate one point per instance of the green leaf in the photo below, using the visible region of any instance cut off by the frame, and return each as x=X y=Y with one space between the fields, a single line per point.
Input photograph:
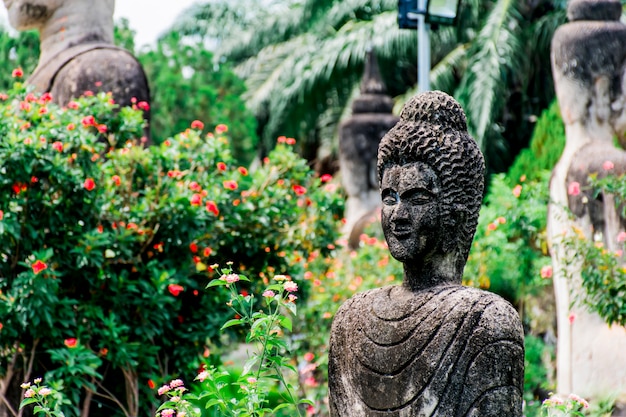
x=233 y=322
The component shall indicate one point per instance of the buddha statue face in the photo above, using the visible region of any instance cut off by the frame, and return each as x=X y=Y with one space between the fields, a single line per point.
x=30 y=14
x=411 y=215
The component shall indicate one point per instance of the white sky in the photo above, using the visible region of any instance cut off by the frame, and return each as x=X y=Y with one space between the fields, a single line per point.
x=148 y=18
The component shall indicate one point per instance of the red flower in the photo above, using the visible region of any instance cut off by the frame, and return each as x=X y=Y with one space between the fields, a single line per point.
x=143 y=105
x=298 y=189
x=46 y=97
x=281 y=139
x=211 y=207
x=175 y=289
x=193 y=247
x=38 y=266
x=102 y=128
x=116 y=180
x=221 y=166
x=326 y=177
x=207 y=252
x=71 y=126
x=197 y=124
x=151 y=383
x=194 y=186
x=1 y=214
x=73 y=105
x=89 y=184
x=243 y=171
x=221 y=128
x=290 y=141
x=100 y=228
x=230 y=184
x=70 y=342
x=88 y=121
x=58 y=146
x=18 y=73
x=196 y=200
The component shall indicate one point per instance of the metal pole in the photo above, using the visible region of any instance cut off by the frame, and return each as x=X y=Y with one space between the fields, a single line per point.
x=423 y=48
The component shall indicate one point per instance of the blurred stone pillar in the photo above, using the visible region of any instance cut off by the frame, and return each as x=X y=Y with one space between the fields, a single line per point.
x=359 y=137
x=588 y=62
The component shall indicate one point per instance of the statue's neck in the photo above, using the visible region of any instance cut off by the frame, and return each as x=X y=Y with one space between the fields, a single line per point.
x=71 y=25
x=436 y=270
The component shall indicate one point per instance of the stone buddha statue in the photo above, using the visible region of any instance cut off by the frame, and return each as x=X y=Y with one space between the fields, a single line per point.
x=77 y=51
x=428 y=347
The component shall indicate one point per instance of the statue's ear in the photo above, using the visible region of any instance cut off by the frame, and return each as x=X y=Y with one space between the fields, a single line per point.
x=452 y=240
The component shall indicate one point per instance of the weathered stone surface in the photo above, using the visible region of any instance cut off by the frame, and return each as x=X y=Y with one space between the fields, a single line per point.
x=588 y=64
x=77 y=51
x=429 y=347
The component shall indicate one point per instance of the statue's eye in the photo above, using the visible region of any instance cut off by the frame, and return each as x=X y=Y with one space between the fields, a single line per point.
x=390 y=198
x=417 y=196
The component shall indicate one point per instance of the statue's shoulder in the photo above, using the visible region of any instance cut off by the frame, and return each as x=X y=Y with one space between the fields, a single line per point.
x=498 y=318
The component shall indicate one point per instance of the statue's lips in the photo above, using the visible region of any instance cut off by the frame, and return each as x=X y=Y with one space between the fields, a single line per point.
x=402 y=232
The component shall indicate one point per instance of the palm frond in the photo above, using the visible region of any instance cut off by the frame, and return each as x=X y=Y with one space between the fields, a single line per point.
x=497 y=55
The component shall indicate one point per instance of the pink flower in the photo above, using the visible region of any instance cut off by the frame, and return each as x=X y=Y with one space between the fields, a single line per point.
x=116 y=180
x=176 y=383
x=326 y=178
x=571 y=318
x=73 y=105
x=546 y=272
x=163 y=389
x=202 y=376
x=221 y=128
x=45 y=391
x=89 y=184
x=29 y=393
x=290 y=286
x=57 y=146
x=517 y=191
x=269 y=293
x=221 y=166
x=243 y=171
x=231 y=278
x=168 y=412
x=608 y=165
x=573 y=188
x=290 y=141
x=291 y=298
x=1 y=215
x=621 y=237
x=143 y=105
x=197 y=124
x=309 y=356
x=251 y=380
x=17 y=73
x=38 y=266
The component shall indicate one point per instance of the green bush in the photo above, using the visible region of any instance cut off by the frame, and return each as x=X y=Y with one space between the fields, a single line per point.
x=105 y=245
x=546 y=146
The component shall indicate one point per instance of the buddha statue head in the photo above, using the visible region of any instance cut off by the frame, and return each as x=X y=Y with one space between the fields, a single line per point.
x=431 y=178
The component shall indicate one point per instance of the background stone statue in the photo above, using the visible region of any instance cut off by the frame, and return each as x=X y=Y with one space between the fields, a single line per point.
x=77 y=51
x=589 y=66
x=429 y=347
x=359 y=137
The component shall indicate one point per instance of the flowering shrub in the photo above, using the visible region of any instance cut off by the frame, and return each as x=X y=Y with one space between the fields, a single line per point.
x=556 y=406
x=603 y=266
x=105 y=245
x=47 y=400
x=265 y=367
x=509 y=255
